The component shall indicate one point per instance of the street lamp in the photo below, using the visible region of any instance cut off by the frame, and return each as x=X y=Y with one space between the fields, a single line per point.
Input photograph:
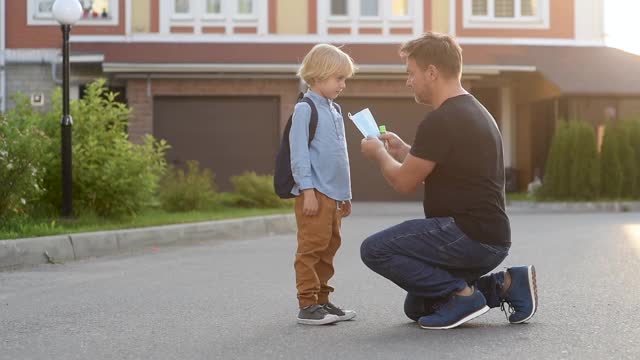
x=67 y=13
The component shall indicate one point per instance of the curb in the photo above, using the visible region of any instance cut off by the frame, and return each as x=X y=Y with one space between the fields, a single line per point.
x=611 y=206
x=61 y=248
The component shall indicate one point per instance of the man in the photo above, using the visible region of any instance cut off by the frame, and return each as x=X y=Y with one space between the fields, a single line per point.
x=457 y=154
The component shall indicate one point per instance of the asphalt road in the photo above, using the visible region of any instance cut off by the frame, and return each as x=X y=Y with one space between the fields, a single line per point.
x=236 y=300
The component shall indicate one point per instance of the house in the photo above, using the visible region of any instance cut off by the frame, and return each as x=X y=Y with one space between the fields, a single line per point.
x=216 y=78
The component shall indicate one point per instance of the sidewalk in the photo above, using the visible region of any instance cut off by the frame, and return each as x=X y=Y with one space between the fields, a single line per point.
x=62 y=248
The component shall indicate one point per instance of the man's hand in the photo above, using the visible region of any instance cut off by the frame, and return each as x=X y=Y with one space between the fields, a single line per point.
x=397 y=148
x=371 y=147
x=346 y=208
x=310 y=207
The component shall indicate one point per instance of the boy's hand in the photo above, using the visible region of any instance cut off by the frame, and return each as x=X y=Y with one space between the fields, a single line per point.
x=346 y=208
x=397 y=148
x=310 y=207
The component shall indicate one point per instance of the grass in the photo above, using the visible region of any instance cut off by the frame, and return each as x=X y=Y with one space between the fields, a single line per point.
x=88 y=223
x=518 y=197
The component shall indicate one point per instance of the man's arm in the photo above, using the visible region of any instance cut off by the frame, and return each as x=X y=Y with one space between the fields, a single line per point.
x=396 y=147
x=404 y=177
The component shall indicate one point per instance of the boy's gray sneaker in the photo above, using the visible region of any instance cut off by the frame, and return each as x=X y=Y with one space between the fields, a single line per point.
x=316 y=315
x=340 y=313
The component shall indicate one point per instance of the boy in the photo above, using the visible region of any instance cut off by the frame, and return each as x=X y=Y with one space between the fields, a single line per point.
x=322 y=182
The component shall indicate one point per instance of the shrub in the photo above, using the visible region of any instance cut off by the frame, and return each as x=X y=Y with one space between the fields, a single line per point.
x=629 y=166
x=632 y=127
x=22 y=156
x=111 y=176
x=611 y=160
x=584 y=171
x=573 y=167
x=556 y=178
x=193 y=190
x=256 y=191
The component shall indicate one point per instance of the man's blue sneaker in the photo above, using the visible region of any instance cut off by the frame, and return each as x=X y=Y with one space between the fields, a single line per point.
x=458 y=310
x=522 y=295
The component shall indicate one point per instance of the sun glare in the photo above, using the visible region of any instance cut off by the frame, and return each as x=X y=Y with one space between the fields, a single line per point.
x=633 y=235
x=621 y=24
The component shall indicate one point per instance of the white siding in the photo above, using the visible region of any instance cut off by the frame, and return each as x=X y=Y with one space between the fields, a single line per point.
x=590 y=20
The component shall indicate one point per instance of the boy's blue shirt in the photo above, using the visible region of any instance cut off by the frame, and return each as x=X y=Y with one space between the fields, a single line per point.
x=324 y=165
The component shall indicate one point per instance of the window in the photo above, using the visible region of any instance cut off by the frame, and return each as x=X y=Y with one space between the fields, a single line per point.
x=214 y=16
x=365 y=8
x=338 y=8
x=93 y=9
x=181 y=7
x=528 y=7
x=369 y=8
x=214 y=7
x=504 y=8
x=245 y=7
x=506 y=13
x=44 y=6
x=400 y=8
x=480 y=8
x=104 y=12
x=188 y=9
x=376 y=17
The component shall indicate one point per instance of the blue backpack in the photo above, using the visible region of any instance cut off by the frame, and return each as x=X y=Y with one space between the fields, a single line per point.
x=283 y=180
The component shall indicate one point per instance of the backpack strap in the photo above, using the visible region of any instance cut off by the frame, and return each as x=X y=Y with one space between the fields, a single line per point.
x=313 y=121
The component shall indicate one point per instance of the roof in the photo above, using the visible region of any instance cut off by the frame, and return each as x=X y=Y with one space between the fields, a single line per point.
x=573 y=69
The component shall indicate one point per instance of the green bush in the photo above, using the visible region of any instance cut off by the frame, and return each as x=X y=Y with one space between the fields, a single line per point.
x=629 y=167
x=556 y=177
x=584 y=171
x=22 y=156
x=573 y=167
x=112 y=177
x=632 y=127
x=612 y=174
x=193 y=190
x=229 y=199
x=255 y=191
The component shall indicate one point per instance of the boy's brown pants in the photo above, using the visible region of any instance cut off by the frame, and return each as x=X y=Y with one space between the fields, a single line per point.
x=318 y=241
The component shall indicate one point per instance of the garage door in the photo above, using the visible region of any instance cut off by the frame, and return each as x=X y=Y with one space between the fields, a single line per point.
x=401 y=116
x=228 y=135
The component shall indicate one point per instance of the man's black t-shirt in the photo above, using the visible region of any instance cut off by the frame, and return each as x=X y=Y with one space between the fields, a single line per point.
x=467 y=183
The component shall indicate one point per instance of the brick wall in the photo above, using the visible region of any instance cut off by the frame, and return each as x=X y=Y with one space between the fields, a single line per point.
x=28 y=79
x=140 y=94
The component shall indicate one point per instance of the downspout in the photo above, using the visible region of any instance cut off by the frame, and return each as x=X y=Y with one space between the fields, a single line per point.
x=3 y=87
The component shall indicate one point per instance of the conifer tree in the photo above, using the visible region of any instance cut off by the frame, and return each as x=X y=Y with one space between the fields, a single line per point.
x=611 y=163
x=556 y=178
x=584 y=174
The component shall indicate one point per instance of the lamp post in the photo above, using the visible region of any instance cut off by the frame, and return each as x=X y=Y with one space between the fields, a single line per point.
x=67 y=13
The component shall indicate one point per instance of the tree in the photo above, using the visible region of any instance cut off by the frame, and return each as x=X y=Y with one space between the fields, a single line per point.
x=584 y=171
x=611 y=162
x=632 y=127
x=556 y=178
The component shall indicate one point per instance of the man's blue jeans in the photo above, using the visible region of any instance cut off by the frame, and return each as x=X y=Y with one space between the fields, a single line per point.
x=431 y=259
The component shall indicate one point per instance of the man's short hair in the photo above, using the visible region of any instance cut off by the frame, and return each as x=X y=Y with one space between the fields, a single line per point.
x=324 y=61
x=439 y=50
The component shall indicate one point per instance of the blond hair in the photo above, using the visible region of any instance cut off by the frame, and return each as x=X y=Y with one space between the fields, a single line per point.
x=439 y=50
x=324 y=61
